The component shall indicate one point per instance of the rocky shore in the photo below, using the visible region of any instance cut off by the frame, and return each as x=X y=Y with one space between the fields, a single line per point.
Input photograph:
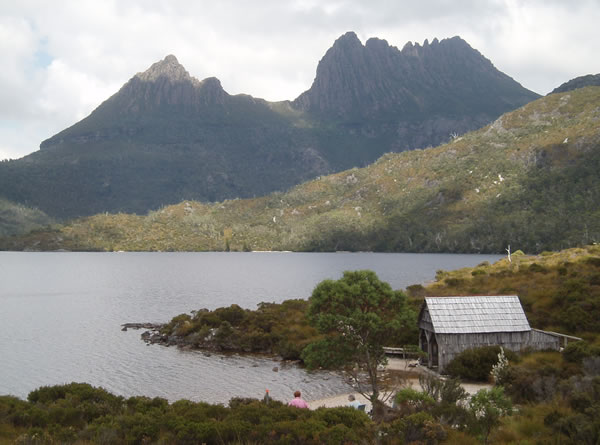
x=153 y=334
x=151 y=326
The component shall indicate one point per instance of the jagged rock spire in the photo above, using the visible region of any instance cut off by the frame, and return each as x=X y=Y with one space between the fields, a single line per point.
x=169 y=67
x=167 y=83
x=355 y=81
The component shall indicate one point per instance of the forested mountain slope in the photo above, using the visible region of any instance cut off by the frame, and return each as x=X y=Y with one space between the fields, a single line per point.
x=529 y=179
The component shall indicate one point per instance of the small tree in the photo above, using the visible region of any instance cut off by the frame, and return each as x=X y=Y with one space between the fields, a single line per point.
x=359 y=315
x=487 y=407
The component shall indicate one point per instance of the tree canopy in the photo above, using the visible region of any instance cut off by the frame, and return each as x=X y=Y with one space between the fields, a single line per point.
x=359 y=314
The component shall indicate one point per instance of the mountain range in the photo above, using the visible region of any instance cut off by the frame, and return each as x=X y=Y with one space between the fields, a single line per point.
x=529 y=180
x=165 y=136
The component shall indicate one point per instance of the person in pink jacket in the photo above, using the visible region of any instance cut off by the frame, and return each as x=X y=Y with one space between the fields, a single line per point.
x=297 y=401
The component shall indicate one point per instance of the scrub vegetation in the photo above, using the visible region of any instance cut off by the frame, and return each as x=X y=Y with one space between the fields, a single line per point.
x=272 y=328
x=78 y=413
x=560 y=291
x=17 y=218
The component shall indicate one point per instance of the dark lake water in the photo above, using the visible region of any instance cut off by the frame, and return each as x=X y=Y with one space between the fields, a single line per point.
x=60 y=317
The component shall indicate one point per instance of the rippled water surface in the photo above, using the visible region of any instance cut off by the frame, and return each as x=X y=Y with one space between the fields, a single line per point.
x=60 y=317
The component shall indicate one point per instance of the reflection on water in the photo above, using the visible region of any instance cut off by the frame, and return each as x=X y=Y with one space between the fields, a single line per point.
x=61 y=315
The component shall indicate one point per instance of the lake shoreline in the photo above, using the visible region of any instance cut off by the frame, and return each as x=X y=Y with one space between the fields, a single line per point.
x=62 y=314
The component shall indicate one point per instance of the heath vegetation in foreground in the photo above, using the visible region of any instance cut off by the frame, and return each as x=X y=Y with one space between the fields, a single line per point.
x=537 y=397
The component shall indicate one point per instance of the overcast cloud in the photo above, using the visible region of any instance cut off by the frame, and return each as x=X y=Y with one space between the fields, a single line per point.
x=61 y=59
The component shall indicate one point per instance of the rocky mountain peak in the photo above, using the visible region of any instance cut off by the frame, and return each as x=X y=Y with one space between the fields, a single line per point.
x=347 y=41
x=451 y=44
x=211 y=83
x=355 y=81
x=167 y=83
x=338 y=75
x=377 y=44
x=169 y=68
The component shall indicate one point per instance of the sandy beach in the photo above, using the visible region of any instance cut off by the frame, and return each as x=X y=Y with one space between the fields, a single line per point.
x=400 y=371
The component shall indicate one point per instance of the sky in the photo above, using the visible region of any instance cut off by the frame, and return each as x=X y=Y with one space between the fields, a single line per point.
x=61 y=59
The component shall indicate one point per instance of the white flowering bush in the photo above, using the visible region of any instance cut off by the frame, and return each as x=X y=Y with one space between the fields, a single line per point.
x=500 y=369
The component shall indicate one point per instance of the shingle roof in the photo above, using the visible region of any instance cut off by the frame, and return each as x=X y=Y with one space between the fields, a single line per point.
x=457 y=315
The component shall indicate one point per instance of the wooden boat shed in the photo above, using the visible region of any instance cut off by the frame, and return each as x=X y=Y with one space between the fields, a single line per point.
x=450 y=325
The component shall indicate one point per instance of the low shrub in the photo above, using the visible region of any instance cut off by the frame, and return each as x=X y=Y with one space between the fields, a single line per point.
x=454 y=281
x=476 y=364
x=416 y=290
x=419 y=427
x=593 y=260
x=57 y=416
x=537 y=268
x=280 y=328
x=577 y=351
x=411 y=400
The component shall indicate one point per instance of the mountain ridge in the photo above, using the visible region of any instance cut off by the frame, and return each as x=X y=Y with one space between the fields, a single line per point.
x=166 y=136
x=348 y=64
x=578 y=82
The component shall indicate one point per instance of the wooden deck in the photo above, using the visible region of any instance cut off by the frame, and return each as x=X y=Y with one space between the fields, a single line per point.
x=403 y=352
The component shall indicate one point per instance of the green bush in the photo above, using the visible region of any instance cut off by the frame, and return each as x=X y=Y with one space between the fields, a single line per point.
x=35 y=436
x=537 y=377
x=145 y=405
x=225 y=336
x=193 y=433
x=280 y=328
x=419 y=427
x=415 y=290
x=593 y=260
x=288 y=350
x=62 y=414
x=210 y=319
x=232 y=314
x=13 y=410
x=454 y=282
x=535 y=267
x=476 y=364
x=577 y=351
x=414 y=400
x=175 y=323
